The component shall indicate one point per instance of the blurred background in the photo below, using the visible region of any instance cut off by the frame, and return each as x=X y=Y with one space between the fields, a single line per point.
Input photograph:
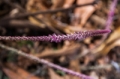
x=98 y=57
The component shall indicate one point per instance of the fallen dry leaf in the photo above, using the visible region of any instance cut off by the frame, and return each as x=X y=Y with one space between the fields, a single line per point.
x=111 y=42
x=63 y=51
x=18 y=72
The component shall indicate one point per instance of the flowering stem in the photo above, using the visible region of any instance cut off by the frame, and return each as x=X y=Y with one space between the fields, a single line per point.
x=58 y=38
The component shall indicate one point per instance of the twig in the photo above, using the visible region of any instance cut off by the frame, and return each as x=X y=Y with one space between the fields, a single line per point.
x=95 y=67
x=36 y=18
x=44 y=62
x=46 y=12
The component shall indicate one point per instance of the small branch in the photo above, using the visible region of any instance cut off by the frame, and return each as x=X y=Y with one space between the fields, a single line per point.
x=36 y=18
x=45 y=62
x=95 y=67
x=46 y=12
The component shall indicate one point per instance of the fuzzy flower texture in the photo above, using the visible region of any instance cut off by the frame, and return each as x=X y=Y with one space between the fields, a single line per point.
x=58 y=38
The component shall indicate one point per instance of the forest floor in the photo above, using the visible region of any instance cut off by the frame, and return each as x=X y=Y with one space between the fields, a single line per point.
x=94 y=56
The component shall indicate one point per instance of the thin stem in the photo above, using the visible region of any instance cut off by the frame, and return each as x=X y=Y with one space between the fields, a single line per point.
x=45 y=62
x=110 y=18
x=111 y=14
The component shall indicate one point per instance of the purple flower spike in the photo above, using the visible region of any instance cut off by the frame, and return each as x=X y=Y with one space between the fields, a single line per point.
x=58 y=38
